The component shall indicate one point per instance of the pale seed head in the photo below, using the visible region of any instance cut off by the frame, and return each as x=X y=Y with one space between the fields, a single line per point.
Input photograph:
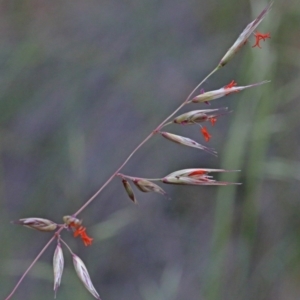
x=147 y=186
x=186 y=142
x=37 y=223
x=243 y=37
x=129 y=190
x=198 y=116
x=58 y=267
x=84 y=276
x=224 y=91
x=194 y=176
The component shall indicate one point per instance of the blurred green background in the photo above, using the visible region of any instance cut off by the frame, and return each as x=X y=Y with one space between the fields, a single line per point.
x=83 y=82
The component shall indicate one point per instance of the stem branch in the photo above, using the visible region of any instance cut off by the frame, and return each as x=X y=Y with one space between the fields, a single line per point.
x=143 y=142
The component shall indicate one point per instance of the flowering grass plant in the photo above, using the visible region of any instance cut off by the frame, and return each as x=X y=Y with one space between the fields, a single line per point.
x=193 y=176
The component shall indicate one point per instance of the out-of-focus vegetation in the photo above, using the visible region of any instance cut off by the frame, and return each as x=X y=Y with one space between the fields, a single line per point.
x=83 y=82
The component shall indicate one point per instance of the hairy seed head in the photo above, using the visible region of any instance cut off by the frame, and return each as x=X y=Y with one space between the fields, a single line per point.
x=243 y=37
x=37 y=223
x=129 y=190
x=58 y=267
x=84 y=276
x=147 y=186
x=186 y=142
x=199 y=116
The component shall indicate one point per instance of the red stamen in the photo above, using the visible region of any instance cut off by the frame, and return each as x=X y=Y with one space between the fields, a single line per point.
x=86 y=239
x=260 y=36
x=205 y=133
x=230 y=85
x=213 y=121
x=72 y=224
x=81 y=231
